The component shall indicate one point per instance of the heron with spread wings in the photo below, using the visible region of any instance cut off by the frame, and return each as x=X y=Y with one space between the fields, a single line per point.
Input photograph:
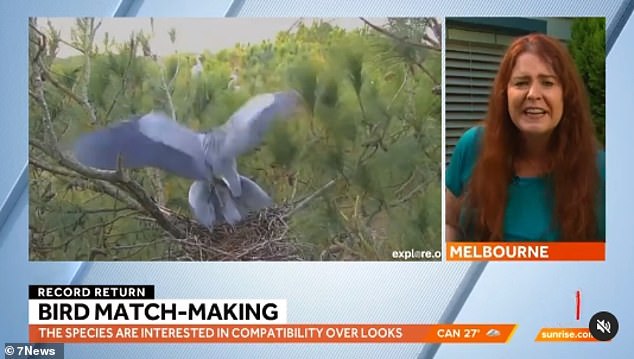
x=219 y=193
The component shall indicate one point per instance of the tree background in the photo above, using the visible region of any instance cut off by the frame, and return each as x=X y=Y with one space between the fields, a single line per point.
x=587 y=47
x=366 y=151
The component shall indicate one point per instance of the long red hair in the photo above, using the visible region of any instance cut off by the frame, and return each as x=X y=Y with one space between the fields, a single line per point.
x=572 y=148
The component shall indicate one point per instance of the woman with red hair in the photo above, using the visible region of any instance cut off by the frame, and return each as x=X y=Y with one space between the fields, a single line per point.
x=533 y=171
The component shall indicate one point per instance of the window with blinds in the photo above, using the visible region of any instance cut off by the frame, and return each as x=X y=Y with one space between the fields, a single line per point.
x=470 y=67
x=474 y=48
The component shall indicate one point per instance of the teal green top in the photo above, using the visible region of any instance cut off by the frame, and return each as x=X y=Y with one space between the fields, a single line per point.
x=529 y=208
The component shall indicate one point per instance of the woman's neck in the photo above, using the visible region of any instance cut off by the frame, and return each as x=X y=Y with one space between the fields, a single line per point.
x=534 y=147
x=533 y=159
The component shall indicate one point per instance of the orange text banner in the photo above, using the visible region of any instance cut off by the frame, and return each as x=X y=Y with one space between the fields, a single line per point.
x=564 y=335
x=524 y=251
x=287 y=333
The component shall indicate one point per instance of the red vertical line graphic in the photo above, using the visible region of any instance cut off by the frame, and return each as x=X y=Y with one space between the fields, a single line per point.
x=578 y=306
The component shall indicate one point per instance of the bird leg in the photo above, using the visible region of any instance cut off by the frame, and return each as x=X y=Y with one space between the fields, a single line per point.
x=214 y=187
x=227 y=204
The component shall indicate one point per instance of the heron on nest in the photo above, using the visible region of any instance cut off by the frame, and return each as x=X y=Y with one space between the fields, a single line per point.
x=219 y=193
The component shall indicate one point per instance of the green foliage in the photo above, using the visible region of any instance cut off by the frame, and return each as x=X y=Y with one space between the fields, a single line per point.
x=587 y=45
x=371 y=123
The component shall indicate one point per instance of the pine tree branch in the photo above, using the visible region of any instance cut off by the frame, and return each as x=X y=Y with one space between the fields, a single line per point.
x=117 y=178
x=124 y=80
x=43 y=73
x=402 y=40
x=94 y=185
x=88 y=41
x=301 y=204
x=435 y=46
x=431 y=77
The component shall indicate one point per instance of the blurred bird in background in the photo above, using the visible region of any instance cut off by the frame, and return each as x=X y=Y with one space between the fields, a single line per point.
x=197 y=69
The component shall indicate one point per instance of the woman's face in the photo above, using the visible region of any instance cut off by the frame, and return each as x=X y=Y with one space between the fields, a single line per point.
x=535 y=96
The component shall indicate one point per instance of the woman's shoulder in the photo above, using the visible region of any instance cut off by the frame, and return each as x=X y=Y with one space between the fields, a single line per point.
x=474 y=133
x=601 y=157
x=471 y=137
x=601 y=163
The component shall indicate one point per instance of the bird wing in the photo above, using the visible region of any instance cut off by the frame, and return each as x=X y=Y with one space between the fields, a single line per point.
x=253 y=198
x=152 y=140
x=215 y=204
x=247 y=126
x=201 y=204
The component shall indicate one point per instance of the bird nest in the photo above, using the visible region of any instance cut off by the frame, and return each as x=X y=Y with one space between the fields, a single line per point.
x=262 y=236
